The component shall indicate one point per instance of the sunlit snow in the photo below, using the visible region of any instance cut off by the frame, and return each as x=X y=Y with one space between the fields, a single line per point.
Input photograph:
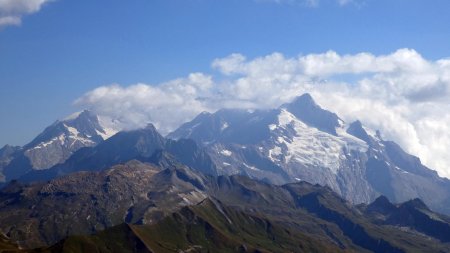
x=310 y=146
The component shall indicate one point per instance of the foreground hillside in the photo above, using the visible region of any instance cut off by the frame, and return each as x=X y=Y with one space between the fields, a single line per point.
x=140 y=207
x=207 y=227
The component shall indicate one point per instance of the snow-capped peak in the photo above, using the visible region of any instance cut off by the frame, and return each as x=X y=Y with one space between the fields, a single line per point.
x=310 y=146
x=64 y=137
x=305 y=108
x=89 y=124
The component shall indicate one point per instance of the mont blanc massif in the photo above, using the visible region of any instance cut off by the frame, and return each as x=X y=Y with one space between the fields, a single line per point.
x=291 y=179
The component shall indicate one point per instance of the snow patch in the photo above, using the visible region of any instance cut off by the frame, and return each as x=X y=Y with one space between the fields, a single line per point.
x=402 y=171
x=312 y=147
x=106 y=134
x=187 y=201
x=274 y=153
x=224 y=126
x=285 y=118
x=272 y=127
x=74 y=135
x=226 y=152
x=109 y=127
x=73 y=131
x=251 y=167
x=70 y=139
x=60 y=138
x=371 y=133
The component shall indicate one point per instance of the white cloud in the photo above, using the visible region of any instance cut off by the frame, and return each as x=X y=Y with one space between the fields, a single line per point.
x=165 y=105
x=12 y=11
x=402 y=94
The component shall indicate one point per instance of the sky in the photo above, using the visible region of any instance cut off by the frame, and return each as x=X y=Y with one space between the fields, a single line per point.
x=385 y=62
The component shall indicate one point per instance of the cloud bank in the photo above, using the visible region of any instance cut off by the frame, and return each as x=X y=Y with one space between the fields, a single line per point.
x=402 y=94
x=12 y=11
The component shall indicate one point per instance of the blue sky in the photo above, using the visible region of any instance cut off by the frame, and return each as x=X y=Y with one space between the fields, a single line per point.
x=69 y=47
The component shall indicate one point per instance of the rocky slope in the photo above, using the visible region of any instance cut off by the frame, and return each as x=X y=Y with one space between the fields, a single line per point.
x=209 y=227
x=84 y=202
x=170 y=207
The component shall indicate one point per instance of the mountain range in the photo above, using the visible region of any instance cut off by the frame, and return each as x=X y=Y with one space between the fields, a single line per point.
x=291 y=179
x=300 y=141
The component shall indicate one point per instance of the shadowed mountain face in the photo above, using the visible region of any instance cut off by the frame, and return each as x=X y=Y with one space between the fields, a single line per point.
x=300 y=141
x=413 y=214
x=174 y=208
x=6 y=156
x=53 y=146
x=306 y=109
x=142 y=144
x=6 y=245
